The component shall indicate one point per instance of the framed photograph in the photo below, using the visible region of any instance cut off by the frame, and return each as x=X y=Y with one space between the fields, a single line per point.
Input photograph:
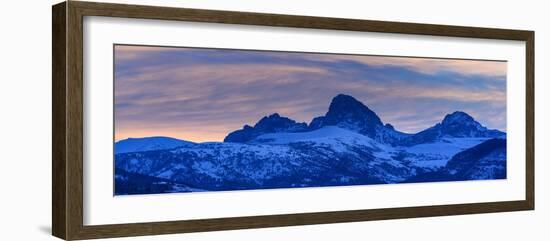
x=171 y=120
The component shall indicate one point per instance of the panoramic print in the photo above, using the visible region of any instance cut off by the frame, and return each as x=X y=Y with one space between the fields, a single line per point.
x=202 y=119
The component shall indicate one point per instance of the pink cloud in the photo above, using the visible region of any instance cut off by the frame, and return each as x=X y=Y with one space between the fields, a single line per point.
x=423 y=65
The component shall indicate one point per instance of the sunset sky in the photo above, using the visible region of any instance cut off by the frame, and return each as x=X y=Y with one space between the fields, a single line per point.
x=203 y=94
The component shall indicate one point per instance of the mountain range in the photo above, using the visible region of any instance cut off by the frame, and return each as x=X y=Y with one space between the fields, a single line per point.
x=349 y=145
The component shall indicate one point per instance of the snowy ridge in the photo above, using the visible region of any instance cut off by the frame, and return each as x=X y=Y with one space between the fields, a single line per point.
x=349 y=145
x=148 y=144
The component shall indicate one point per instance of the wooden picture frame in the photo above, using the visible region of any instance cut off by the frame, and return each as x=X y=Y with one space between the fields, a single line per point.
x=67 y=124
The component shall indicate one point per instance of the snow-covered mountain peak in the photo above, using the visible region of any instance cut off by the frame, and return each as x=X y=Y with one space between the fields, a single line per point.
x=456 y=125
x=273 y=123
x=460 y=124
x=458 y=118
x=149 y=144
x=349 y=113
x=345 y=108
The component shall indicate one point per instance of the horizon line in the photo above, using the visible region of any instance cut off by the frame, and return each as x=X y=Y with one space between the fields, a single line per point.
x=308 y=124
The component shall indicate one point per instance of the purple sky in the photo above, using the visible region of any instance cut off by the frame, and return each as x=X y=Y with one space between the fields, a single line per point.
x=203 y=94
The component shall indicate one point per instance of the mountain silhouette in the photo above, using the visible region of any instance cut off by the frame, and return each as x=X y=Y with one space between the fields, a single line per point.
x=457 y=124
x=349 y=113
x=268 y=124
